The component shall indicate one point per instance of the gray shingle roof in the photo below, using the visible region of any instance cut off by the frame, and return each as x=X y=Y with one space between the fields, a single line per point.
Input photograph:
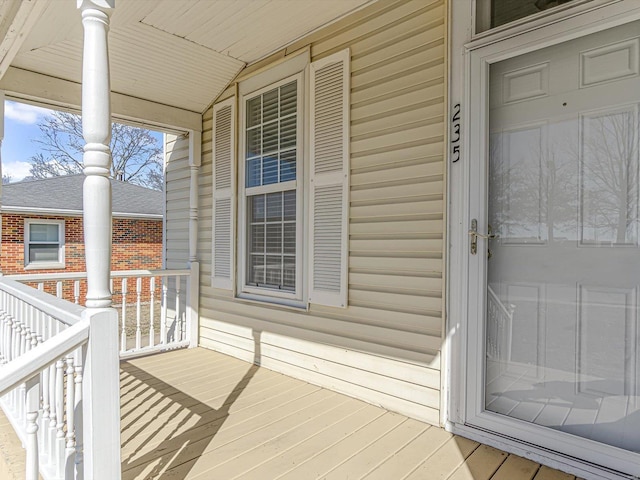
x=65 y=193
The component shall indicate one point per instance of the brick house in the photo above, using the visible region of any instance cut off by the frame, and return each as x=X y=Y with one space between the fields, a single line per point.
x=42 y=229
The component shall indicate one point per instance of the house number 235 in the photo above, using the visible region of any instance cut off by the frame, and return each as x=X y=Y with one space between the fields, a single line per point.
x=455 y=133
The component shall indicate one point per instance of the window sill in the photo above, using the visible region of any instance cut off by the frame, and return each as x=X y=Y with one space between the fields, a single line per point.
x=266 y=301
x=45 y=266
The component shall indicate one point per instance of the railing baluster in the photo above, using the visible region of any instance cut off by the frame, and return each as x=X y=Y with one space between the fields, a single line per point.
x=76 y=292
x=22 y=347
x=32 y=404
x=59 y=449
x=59 y=289
x=53 y=414
x=163 y=312
x=152 y=293
x=123 y=336
x=138 y=313
x=70 y=415
x=3 y=332
x=44 y=333
x=78 y=409
x=177 y=332
x=41 y=286
x=15 y=344
x=51 y=434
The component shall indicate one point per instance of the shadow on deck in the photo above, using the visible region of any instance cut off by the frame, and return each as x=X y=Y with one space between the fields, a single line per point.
x=200 y=414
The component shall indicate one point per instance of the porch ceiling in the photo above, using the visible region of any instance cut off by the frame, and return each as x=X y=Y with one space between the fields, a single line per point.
x=181 y=53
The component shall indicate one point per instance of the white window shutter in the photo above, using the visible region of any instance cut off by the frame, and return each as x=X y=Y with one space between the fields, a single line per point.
x=329 y=180
x=223 y=263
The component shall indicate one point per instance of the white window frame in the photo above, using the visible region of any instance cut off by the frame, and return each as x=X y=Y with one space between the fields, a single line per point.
x=296 y=297
x=471 y=58
x=61 y=243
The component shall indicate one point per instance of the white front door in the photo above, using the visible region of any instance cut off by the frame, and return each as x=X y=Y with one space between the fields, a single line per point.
x=559 y=288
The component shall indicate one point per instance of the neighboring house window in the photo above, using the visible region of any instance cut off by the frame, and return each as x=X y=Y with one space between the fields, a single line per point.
x=282 y=236
x=44 y=243
x=271 y=188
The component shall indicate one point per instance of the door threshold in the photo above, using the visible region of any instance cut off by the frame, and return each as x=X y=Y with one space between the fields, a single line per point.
x=550 y=458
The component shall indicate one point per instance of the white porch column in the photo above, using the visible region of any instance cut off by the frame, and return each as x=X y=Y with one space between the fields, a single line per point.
x=195 y=154
x=1 y=131
x=96 y=129
x=101 y=386
x=1 y=139
x=195 y=158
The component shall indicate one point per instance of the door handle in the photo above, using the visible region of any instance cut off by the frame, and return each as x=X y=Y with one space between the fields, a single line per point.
x=473 y=233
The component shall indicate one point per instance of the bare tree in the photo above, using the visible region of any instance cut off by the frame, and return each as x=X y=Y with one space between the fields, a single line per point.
x=137 y=155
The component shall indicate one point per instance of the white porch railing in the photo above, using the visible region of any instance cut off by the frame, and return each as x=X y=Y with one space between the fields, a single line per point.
x=42 y=345
x=58 y=379
x=155 y=307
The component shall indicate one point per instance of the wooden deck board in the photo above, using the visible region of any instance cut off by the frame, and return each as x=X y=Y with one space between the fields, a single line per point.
x=198 y=414
x=411 y=456
x=377 y=450
x=346 y=448
x=516 y=467
x=481 y=464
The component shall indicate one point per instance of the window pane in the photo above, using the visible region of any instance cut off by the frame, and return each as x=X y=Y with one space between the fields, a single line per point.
x=272 y=133
x=256 y=270
x=256 y=208
x=43 y=253
x=256 y=240
x=269 y=170
x=253 y=172
x=274 y=207
x=288 y=166
x=288 y=98
x=270 y=106
x=493 y=13
x=288 y=130
x=254 y=142
x=43 y=232
x=289 y=270
x=289 y=238
x=254 y=116
x=290 y=205
x=274 y=270
x=274 y=238
x=270 y=137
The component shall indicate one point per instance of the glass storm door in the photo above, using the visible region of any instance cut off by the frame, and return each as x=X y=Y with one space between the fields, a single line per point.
x=562 y=327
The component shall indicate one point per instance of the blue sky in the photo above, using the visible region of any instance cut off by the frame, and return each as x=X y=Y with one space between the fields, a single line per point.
x=20 y=129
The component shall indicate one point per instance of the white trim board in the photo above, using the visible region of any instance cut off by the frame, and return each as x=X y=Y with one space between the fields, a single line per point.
x=54 y=212
x=35 y=88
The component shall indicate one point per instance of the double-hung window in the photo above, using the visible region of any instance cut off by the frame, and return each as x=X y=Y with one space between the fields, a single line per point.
x=280 y=206
x=272 y=193
x=44 y=243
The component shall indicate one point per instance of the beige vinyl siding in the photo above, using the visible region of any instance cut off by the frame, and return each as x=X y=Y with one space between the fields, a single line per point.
x=385 y=347
x=177 y=175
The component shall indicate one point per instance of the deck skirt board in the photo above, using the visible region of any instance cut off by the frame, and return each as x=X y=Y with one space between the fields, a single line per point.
x=199 y=414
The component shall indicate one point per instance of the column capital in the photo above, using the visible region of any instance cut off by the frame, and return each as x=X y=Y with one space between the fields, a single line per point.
x=103 y=5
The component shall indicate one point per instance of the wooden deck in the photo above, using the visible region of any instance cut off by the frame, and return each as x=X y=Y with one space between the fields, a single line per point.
x=199 y=414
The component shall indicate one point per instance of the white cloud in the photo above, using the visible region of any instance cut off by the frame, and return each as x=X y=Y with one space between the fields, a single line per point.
x=24 y=113
x=16 y=170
